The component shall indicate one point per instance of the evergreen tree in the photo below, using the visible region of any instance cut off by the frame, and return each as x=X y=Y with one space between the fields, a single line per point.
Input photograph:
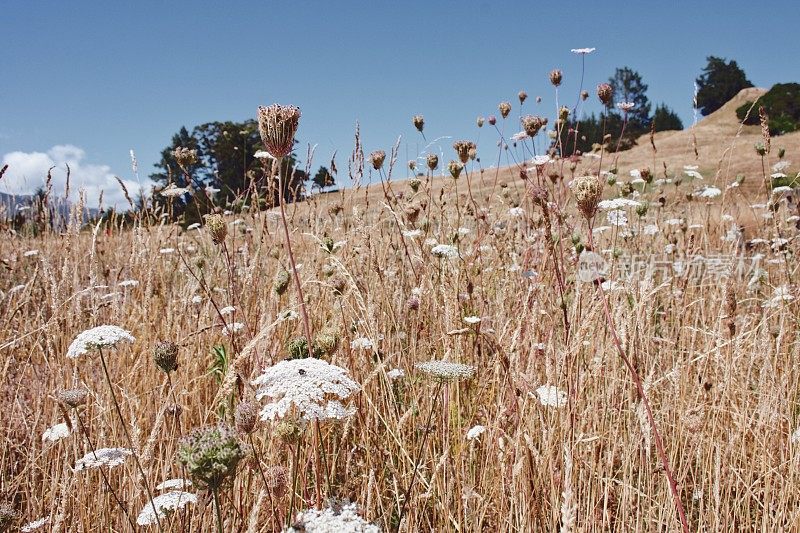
x=719 y=83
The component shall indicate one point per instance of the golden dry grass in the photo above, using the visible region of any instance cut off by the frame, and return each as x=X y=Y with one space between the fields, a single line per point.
x=718 y=357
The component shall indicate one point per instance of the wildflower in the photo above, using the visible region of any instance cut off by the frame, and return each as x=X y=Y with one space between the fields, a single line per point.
x=605 y=93
x=164 y=505
x=532 y=124
x=650 y=230
x=128 y=283
x=109 y=457
x=395 y=373
x=583 y=51
x=479 y=121
x=197 y=299
x=277 y=125
x=277 y=479
x=519 y=136
x=516 y=212
x=36 y=524
x=551 y=396
x=795 y=438
x=165 y=355
x=216 y=227
x=30 y=253
x=617 y=218
x=504 y=108
x=625 y=106
x=475 y=432
x=99 y=337
x=210 y=455
x=419 y=122
x=232 y=328
x=7 y=516
x=446 y=370
x=377 y=158
x=312 y=388
x=55 y=433
x=587 y=191
x=463 y=148
x=341 y=520
x=246 y=417
x=617 y=203
x=185 y=157
x=555 y=77
x=281 y=282
x=780 y=295
x=72 y=397
x=171 y=484
x=166 y=251
x=445 y=251
x=471 y=319
x=455 y=169
x=492 y=120
x=708 y=192
x=361 y=343
x=412 y=234
x=432 y=161
x=172 y=191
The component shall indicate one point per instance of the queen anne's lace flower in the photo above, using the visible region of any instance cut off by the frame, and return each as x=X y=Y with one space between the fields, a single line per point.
x=109 y=457
x=445 y=250
x=99 y=337
x=475 y=432
x=311 y=387
x=551 y=396
x=57 y=432
x=617 y=203
x=36 y=524
x=446 y=370
x=164 y=505
x=344 y=520
x=174 y=484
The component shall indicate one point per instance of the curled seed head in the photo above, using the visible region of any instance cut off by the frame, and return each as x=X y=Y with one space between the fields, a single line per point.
x=522 y=95
x=216 y=227
x=414 y=183
x=281 y=282
x=505 y=109
x=377 y=158
x=165 y=355
x=412 y=165
x=587 y=190
x=277 y=125
x=455 y=169
x=185 y=157
x=463 y=148
x=555 y=77
x=605 y=93
x=479 y=121
x=419 y=122
x=246 y=417
x=73 y=397
x=532 y=124
x=327 y=341
x=538 y=195
x=277 y=479
x=289 y=431
x=584 y=95
x=433 y=161
x=492 y=120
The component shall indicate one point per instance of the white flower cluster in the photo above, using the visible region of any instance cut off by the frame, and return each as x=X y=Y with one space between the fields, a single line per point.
x=57 y=432
x=36 y=524
x=446 y=370
x=164 y=505
x=99 y=337
x=475 y=432
x=171 y=484
x=109 y=457
x=346 y=520
x=551 y=396
x=312 y=387
x=445 y=251
x=617 y=203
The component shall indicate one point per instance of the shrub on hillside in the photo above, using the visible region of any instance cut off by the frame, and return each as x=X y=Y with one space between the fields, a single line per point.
x=782 y=103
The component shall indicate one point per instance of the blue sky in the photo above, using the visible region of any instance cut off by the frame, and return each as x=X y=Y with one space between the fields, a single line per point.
x=87 y=81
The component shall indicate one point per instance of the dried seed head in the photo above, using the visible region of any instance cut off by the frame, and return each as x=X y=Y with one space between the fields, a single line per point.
x=455 y=169
x=165 y=354
x=414 y=183
x=563 y=113
x=216 y=227
x=605 y=93
x=277 y=478
x=646 y=175
x=419 y=122
x=538 y=196
x=764 y=120
x=433 y=161
x=412 y=165
x=505 y=109
x=584 y=95
x=377 y=158
x=555 y=77
x=246 y=417
x=289 y=431
x=73 y=397
x=327 y=341
x=185 y=157
x=479 y=121
x=532 y=124
x=473 y=152
x=522 y=97
x=587 y=190
x=277 y=125
x=538 y=99
x=492 y=120
x=413 y=302
x=210 y=455
x=463 y=148
x=281 y=282
x=7 y=516
x=339 y=285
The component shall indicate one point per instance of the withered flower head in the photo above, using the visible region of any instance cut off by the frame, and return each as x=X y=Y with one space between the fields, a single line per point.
x=165 y=355
x=532 y=124
x=185 y=157
x=588 y=191
x=377 y=158
x=462 y=148
x=522 y=97
x=455 y=169
x=277 y=125
x=505 y=109
x=419 y=122
x=433 y=161
x=605 y=92
x=216 y=227
x=556 y=77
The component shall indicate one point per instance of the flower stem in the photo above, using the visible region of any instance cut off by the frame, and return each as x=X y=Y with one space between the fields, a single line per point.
x=215 y=493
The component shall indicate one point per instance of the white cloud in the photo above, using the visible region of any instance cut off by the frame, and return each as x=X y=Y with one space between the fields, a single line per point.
x=28 y=170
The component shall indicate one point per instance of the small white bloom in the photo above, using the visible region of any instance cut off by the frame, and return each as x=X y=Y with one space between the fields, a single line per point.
x=164 y=505
x=36 y=524
x=617 y=218
x=31 y=253
x=57 y=432
x=693 y=174
x=263 y=154
x=343 y=520
x=446 y=370
x=171 y=484
x=583 y=51
x=540 y=160
x=196 y=225
x=196 y=299
x=232 y=328
x=472 y=319
x=795 y=438
x=227 y=310
x=445 y=251
x=650 y=230
x=708 y=192
x=109 y=457
x=99 y=337
x=551 y=396
x=288 y=314
x=171 y=191
x=625 y=106
x=519 y=136
x=361 y=343
x=166 y=251
x=475 y=432
x=128 y=283
x=395 y=373
x=617 y=203
x=674 y=221
x=780 y=166
x=412 y=233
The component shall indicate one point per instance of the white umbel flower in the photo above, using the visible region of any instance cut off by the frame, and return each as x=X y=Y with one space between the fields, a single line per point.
x=164 y=505
x=109 y=457
x=475 y=432
x=171 y=484
x=617 y=203
x=551 y=396
x=471 y=319
x=36 y=524
x=234 y=327
x=445 y=250
x=57 y=432
x=311 y=387
x=100 y=337
x=395 y=373
x=346 y=520
x=446 y=370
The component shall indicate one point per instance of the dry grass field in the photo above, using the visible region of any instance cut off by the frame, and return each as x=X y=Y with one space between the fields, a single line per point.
x=535 y=415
